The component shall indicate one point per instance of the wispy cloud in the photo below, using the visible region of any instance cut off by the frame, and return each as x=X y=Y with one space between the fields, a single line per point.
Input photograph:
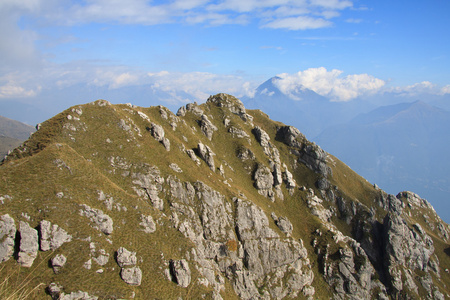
x=294 y=15
x=424 y=87
x=299 y=23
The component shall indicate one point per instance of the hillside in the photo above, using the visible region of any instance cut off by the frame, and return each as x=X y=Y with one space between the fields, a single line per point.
x=216 y=202
x=12 y=134
x=15 y=129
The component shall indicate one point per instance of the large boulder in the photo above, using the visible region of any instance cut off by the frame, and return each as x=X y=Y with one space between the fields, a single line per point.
x=7 y=237
x=29 y=245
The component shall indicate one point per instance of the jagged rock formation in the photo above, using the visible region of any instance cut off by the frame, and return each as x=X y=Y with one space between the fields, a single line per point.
x=216 y=202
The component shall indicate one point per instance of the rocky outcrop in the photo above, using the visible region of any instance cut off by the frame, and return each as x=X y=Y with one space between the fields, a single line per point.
x=7 y=237
x=264 y=181
x=126 y=258
x=180 y=272
x=129 y=273
x=100 y=220
x=29 y=245
x=207 y=155
x=233 y=105
x=308 y=153
x=158 y=133
x=207 y=127
x=52 y=236
x=58 y=262
x=405 y=247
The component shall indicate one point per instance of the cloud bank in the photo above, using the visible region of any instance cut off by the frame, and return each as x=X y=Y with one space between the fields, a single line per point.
x=329 y=83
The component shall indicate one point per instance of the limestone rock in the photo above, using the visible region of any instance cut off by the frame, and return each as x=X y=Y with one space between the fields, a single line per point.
x=207 y=155
x=264 y=181
x=291 y=136
x=192 y=155
x=150 y=185
x=180 y=272
x=405 y=247
x=58 y=262
x=158 y=133
x=148 y=224
x=233 y=104
x=52 y=236
x=288 y=179
x=207 y=127
x=28 y=244
x=77 y=296
x=101 y=221
x=132 y=276
x=54 y=290
x=238 y=133
x=263 y=138
x=190 y=107
x=126 y=258
x=310 y=154
x=284 y=224
x=7 y=237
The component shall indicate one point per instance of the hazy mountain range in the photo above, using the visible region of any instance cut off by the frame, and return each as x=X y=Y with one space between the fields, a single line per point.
x=12 y=134
x=399 y=146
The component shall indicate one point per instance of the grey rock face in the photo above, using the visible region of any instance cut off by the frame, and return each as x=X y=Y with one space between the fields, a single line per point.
x=148 y=224
x=405 y=247
x=126 y=258
x=181 y=274
x=237 y=132
x=7 y=236
x=150 y=185
x=207 y=127
x=309 y=154
x=29 y=245
x=264 y=181
x=101 y=221
x=158 y=133
x=263 y=138
x=291 y=136
x=288 y=179
x=265 y=252
x=132 y=276
x=77 y=296
x=54 y=290
x=284 y=224
x=192 y=155
x=190 y=107
x=315 y=158
x=233 y=104
x=207 y=155
x=58 y=262
x=52 y=236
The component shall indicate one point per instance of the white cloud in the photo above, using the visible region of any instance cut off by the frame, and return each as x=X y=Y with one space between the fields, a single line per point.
x=14 y=90
x=329 y=83
x=298 y=23
x=424 y=87
x=270 y=13
x=201 y=84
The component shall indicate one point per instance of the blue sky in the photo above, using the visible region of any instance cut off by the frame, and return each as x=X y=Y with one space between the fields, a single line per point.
x=202 y=47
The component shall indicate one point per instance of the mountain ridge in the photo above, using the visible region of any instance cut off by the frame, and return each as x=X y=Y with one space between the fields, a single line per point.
x=216 y=201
